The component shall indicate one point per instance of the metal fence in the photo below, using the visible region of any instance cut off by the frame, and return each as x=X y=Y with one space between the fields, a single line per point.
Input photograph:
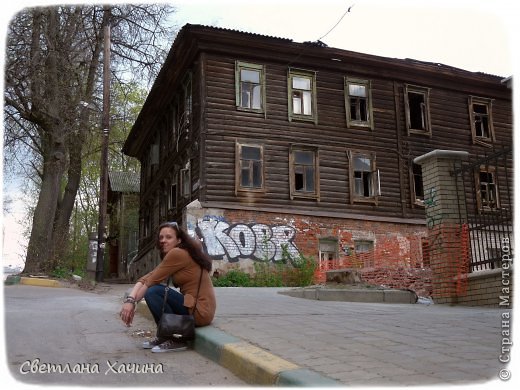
x=486 y=207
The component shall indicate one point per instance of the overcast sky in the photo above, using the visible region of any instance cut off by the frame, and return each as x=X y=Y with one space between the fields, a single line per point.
x=475 y=35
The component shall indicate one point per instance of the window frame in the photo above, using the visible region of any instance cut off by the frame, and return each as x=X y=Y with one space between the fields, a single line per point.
x=369 y=123
x=488 y=103
x=408 y=88
x=291 y=74
x=238 y=170
x=304 y=194
x=376 y=177
x=185 y=181
x=323 y=243
x=239 y=65
x=415 y=201
x=478 y=186
x=367 y=256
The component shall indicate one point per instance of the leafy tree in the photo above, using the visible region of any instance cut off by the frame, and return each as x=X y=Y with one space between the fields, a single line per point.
x=52 y=80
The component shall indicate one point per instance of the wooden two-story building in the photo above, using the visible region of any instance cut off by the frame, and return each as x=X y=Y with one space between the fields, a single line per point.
x=263 y=146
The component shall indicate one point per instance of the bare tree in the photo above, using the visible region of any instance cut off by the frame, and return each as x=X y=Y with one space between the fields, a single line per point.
x=52 y=78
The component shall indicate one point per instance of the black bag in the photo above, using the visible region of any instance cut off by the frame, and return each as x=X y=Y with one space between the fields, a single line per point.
x=177 y=326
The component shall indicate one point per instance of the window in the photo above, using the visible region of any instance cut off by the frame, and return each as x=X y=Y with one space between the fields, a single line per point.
x=302 y=96
x=304 y=171
x=481 y=121
x=364 y=178
x=186 y=181
x=188 y=98
x=487 y=192
x=417 y=184
x=417 y=106
x=328 y=248
x=250 y=86
x=358 y=103
x=173 y=195
x=249 y=167
x=364 y=250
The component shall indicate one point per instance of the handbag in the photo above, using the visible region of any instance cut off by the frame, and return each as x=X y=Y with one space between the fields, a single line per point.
x=177 y=326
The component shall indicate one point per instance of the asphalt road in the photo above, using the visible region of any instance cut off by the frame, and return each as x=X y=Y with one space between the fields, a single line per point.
x=72 y=337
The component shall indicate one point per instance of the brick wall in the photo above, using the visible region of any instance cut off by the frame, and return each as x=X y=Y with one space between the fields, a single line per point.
x=485 y=288
x=233 y=239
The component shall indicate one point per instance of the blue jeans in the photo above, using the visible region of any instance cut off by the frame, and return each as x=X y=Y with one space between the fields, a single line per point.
x=154 y=298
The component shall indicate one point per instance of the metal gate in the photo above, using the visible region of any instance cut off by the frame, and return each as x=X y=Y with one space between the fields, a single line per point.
x=487 y=206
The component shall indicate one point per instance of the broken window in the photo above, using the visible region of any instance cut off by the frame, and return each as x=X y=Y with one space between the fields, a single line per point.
x=364 y=178
x=417 y=110
x=250 y=167
x=302 y=96
x=250 y=86
x=358 y=103
x=304 y=171
x=481 y=121
x=417 y=180
x=487 y=195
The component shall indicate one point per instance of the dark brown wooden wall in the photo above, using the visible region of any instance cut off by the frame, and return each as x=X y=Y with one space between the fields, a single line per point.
x=225 y=124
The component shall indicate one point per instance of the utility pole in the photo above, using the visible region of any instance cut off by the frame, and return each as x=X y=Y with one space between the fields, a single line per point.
x=105 y=125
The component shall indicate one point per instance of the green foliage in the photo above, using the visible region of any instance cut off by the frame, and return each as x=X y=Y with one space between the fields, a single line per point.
x=296 y=272
x=234 y=278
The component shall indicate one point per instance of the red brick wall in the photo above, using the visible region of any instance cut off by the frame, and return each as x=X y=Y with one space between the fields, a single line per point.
x=395 y=261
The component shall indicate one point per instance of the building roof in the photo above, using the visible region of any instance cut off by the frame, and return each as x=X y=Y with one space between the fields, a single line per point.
x=124 y=181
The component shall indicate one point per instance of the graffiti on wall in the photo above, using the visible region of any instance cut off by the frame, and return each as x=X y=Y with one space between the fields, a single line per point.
x=255 y=241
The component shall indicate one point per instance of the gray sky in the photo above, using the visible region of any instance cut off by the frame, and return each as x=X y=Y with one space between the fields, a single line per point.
x=474 y=35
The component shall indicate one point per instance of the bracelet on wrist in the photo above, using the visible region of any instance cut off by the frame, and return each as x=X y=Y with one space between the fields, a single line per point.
x=130 y=300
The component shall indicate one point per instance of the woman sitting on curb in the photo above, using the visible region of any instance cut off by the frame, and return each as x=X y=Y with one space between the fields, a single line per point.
x=183 y=259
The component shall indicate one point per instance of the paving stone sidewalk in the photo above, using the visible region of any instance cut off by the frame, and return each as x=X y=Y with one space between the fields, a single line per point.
x=368 y=343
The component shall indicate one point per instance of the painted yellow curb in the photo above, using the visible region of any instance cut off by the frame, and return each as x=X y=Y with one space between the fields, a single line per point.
x=254 y=364
x=39 y=282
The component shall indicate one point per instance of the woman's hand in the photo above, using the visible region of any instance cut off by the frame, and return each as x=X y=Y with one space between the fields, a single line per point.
x=127 y=313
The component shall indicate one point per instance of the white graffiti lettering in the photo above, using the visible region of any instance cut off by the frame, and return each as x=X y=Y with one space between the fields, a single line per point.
x=255 y=241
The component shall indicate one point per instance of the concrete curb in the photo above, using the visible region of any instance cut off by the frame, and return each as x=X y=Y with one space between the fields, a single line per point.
x=252 y=364
x=353 y=295
x=248 y=362
x=41 y=282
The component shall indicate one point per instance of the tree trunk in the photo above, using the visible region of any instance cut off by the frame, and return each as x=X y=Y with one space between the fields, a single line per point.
x=37 y=259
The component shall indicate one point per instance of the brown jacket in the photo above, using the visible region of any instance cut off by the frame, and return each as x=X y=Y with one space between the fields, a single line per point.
x=186 y=274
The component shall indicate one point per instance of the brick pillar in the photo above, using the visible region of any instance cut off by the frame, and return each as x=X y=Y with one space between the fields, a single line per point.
x=447 y=237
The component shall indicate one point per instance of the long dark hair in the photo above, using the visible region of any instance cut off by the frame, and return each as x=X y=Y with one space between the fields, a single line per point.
x=190 y=244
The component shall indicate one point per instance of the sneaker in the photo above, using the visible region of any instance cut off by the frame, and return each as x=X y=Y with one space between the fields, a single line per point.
x=153 y=342
x=170 y=346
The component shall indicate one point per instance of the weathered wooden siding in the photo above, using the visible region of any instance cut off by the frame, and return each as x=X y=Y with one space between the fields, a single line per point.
x=225 y=125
